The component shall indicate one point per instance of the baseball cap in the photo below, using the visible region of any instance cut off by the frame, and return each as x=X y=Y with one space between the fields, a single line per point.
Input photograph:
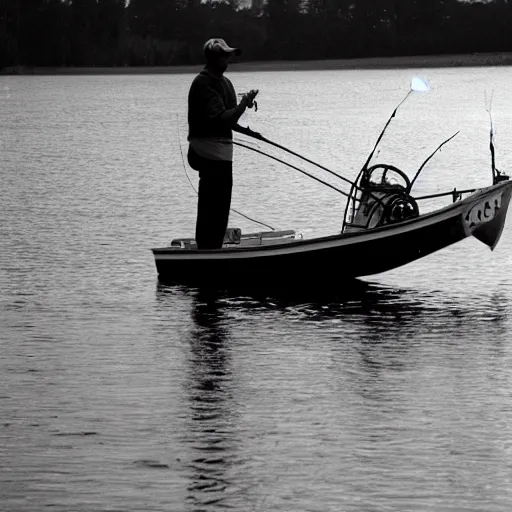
x=219 y=45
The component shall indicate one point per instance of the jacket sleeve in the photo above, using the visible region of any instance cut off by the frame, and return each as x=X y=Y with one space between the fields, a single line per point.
x=212 y=104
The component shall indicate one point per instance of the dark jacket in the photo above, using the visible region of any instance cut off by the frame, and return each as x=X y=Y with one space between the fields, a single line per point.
x=212 y=106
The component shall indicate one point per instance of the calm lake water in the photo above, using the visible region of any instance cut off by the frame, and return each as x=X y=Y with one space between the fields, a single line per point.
x=122 y=394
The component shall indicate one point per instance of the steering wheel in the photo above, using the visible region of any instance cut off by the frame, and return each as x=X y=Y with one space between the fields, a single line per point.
x=392 y=168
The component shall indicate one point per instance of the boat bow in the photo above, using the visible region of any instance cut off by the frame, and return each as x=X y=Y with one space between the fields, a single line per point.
x=485 y=220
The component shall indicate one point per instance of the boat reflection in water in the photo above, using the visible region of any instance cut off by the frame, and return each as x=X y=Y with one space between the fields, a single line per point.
x=358 y=345
x=351 y=301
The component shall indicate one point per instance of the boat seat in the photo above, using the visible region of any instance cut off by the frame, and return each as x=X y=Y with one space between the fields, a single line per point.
x=234 y=236
x=184 y=243
x=289 y=233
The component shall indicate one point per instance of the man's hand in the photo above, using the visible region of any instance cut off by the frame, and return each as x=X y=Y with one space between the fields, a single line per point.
x=248 y=98
x=256 y=135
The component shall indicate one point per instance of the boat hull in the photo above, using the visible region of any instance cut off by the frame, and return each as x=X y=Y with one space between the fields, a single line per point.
x=344 y=256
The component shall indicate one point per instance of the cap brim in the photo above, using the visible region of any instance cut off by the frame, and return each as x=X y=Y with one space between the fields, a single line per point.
x=228 y=49
x=234 y=51
x=220 y=46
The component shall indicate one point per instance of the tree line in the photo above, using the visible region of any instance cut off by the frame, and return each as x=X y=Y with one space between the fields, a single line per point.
x=172 y=32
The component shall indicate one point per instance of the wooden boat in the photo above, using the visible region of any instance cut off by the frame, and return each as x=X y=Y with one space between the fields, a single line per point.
x=383 y=229
x=280 y=256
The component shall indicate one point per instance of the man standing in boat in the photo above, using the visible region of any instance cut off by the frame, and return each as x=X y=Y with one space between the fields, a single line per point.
x=213 y=114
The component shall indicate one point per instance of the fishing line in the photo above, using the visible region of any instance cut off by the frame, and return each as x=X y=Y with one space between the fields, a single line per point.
x=192 y=185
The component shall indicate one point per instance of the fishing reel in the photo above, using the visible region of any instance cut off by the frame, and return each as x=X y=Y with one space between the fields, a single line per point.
x=251 y=101
x=399 y=207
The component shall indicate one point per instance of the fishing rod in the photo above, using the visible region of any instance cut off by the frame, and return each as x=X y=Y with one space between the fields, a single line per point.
x=417 y=85
x=425 y=162
x=272 y=143
x=256 y=150
x=275 y=144
x=497 y=175
x=491 y=137
x=370 y=156
x=264 y=139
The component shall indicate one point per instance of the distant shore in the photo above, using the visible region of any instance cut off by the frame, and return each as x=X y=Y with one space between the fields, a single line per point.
x=421 y=61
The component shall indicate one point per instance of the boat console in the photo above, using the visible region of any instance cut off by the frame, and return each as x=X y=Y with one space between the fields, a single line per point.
x=380 y=196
